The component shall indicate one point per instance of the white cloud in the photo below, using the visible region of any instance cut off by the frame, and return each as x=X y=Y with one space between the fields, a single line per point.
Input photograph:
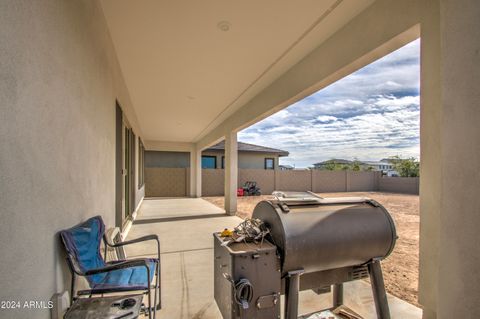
x=371 y=114
x=392 y=101
x=326 y=118
x=347 y=103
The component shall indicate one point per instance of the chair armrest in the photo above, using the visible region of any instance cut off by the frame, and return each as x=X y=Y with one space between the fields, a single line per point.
x=121 y=265
x=136 y=240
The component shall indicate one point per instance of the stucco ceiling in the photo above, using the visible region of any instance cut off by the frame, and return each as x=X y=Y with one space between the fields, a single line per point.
x=185 y=75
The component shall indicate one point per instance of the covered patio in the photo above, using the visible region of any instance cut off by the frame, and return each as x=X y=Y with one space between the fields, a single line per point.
x=87 y=86
x=187 y=264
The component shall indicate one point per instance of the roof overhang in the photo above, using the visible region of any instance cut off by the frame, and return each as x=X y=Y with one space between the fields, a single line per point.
x=186 y=76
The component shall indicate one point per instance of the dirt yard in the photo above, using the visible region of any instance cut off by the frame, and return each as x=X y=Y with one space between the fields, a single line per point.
x=400 y=269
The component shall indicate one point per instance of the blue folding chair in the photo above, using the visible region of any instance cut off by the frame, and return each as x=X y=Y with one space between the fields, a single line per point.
x=82 y=244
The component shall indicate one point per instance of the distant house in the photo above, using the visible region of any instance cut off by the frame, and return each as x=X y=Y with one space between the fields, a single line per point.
x=286 y=167
x=385 y=165
x=249 y=156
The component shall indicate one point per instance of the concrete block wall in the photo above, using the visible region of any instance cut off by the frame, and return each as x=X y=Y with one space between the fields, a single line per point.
x=362 y=181
x=293 y=180
x=264 y=178
x=408 y=185
x=173 y=182
x=329 y=181
x=165 y=182
x=213 y=181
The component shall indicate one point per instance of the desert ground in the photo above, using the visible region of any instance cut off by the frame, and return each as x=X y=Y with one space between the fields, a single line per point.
x=400 y=269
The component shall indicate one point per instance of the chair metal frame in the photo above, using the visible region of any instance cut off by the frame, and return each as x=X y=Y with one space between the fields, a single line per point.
x=118 y=265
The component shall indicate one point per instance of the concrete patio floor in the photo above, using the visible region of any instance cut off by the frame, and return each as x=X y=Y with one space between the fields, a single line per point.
x=175 y=208
x=187 y=262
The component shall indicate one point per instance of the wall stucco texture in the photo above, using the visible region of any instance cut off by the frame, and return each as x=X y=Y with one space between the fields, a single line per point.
x=59 y=79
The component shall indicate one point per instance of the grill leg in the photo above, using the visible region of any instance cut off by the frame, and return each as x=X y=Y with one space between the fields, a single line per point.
x=291 y=294
x=337 y=295
x=378 y=288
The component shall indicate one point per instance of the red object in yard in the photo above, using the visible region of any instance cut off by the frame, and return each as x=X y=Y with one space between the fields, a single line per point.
x=240 y=192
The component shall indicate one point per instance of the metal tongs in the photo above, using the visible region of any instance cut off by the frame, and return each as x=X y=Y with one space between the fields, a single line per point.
x=250 y=230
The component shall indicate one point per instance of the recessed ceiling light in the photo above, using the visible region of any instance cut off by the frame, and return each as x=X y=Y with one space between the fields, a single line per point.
x=224 y=26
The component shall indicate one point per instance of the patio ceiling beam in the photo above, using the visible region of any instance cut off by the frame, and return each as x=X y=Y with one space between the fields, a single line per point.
x=169 y=146
x=380 y=29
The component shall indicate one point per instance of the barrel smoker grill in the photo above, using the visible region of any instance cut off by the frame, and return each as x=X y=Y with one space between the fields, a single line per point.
x=324 y=242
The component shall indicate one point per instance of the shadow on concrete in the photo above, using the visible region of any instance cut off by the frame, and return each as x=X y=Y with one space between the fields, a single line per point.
x=173 y=219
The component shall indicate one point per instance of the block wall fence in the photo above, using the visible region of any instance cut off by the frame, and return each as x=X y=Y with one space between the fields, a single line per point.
x=173 y=182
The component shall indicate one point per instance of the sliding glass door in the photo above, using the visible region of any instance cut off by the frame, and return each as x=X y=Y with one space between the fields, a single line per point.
x=128 y=171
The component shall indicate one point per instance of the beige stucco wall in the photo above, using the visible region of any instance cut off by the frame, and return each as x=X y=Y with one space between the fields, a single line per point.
x=58 y=83
x=255 y=160
x=167 y=159
x=246 y=160
x=459 y=249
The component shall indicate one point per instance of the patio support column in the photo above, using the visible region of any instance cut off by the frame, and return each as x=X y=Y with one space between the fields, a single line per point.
x=231 y=173
x=196 y=173
x=449 y=132
x=431 y=157
x=459 y=251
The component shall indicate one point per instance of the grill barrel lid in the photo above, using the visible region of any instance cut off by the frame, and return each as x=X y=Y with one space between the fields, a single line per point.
x=315 y=234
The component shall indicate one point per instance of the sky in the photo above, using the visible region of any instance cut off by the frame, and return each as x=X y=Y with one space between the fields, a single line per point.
x=371 y=114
